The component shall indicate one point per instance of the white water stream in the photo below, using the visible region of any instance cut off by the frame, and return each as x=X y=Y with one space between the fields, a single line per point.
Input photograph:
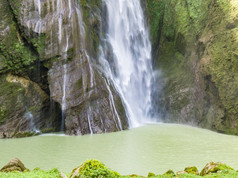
x=131 y=69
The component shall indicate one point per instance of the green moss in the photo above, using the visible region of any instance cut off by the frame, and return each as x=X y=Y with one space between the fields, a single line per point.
x=15 y=5
x=17 y=52
x=191 y=170
x=25 y=134
x=169 y=173
x=223 y=64
x=150 y=174
x=39 y=44
x=192 y=40
x=94 y=168
x=16 y=55
x=132 y=175
x=54 y=173
x=48 y=130
x=48 y=63
x=215 y=168
x=155 y=12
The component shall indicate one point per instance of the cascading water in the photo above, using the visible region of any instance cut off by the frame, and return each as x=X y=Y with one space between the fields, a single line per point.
x=130 y=67
x=29 y=117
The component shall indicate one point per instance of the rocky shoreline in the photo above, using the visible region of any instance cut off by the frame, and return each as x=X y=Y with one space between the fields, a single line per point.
x=95 y=168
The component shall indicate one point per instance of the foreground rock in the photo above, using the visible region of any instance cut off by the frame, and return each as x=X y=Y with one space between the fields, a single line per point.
x=192 y=170
x=169 y=173
x=93 y=168
x=214 y=168
x=14 y=165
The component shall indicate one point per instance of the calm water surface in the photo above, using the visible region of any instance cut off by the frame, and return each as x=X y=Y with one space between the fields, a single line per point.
x=154 y=148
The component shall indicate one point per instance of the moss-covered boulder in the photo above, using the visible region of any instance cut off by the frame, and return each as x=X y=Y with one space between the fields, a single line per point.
x=34 y=173
x=134 y=175
x=14 y=165
x=169 y=173
x=150 y=174
x=94 y=169
x=180 y=173
x=192 y=170
x=214 y=168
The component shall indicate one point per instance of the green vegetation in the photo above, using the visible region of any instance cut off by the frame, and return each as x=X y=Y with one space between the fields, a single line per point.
x=36 y=173
x=96 y=169
x=155 y=12
x=16 y=56
x=191 y=170
x=54 y=173
x=169 y=173
x=39 y=44
x=18 y=49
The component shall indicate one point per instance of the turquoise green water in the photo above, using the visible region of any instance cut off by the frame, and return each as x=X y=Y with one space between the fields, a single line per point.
x=154 y=148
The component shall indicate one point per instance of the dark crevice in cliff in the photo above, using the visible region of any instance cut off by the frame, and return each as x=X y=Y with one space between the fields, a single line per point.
x=39 y=74
x=56 y=113
x=155 y=48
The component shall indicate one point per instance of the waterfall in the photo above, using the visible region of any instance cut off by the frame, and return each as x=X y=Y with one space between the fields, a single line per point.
x=87 y=95
x=130 y=66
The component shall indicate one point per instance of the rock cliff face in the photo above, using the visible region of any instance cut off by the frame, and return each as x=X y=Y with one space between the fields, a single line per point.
x=195 y=45
x=51 y=81
x=48 y=52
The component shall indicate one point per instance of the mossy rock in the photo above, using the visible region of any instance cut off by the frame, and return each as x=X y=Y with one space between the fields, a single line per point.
x=179 y=173
x=14 y=165
x=34 y=173
x=36 y=169
x=169 y=173
x=93 y=168
x=150 y=174
x=214 y=168
x=192 y=170
x=25 y=134
x=133 y=175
